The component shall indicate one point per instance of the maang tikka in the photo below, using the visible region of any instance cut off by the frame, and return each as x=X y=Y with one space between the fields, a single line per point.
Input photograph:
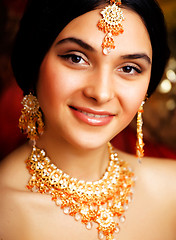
x=30 y=121
x=111 y=24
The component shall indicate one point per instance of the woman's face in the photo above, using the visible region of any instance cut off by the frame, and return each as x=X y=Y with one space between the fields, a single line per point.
x=86 y=97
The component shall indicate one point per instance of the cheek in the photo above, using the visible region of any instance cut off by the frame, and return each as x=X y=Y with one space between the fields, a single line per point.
x=54 y=85
x=132 y=95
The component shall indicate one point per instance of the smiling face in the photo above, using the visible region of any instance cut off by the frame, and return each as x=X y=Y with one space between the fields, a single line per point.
x=86 y=97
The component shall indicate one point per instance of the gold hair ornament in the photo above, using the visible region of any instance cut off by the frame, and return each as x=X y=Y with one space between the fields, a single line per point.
x=102 y=202
x=140 y=142
x=111 y=24
x=30 y=121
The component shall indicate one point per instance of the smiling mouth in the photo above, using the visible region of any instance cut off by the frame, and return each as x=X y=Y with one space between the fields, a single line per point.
x=91 y=114
x=92 y=117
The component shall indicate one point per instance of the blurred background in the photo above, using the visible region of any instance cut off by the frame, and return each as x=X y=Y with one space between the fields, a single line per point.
x=160 y=110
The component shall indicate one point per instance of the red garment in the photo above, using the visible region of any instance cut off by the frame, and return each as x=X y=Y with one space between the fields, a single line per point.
x=10 y=108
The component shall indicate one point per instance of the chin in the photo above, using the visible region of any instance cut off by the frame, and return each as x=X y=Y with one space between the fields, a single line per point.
x=89 y=142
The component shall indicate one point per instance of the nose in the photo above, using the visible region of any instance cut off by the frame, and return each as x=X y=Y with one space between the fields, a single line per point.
x=100 y=87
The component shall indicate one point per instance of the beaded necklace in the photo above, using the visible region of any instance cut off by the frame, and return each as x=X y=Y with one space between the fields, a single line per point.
x=102 y=202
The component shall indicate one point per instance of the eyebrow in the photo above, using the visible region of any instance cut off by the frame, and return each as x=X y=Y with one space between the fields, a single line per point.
x=137 y=56
x=78 y=42
x=86 y=46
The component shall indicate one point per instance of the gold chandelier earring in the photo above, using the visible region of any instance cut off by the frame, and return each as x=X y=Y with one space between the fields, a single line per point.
x=30 y=121
x=140 y=142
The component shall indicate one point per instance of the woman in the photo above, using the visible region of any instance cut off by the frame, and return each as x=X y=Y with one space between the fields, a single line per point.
x=90 y=78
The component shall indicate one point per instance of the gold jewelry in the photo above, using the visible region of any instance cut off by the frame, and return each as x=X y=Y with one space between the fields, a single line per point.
x=110 y=24
x=102 y=202
x=140 y=143
x=30 y=121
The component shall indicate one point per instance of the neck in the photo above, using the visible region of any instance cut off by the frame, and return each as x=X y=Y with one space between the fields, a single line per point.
x=83 y=164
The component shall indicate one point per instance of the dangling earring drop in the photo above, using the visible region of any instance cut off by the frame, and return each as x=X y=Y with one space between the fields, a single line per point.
x=30 y=121
x=140 y=143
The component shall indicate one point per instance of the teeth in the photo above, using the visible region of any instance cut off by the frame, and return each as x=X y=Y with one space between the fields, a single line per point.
x=94 y=115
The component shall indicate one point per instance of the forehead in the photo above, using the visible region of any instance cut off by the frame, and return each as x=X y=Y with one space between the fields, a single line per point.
x=135 y=37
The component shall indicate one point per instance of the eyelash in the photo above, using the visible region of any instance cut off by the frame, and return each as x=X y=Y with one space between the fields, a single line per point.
x=71 y=56
x=136 y=69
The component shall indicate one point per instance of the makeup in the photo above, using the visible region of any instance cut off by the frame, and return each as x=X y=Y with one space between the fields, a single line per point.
x=92 y=117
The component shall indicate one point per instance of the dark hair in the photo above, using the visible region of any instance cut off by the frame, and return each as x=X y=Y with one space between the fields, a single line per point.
x=44 y=19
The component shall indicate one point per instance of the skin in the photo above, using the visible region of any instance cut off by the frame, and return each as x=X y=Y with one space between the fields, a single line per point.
x=98 y=83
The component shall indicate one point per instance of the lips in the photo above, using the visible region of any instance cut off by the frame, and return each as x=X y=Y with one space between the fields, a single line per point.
x=92 y=117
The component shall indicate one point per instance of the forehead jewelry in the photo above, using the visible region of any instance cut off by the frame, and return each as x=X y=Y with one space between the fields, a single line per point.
x=111 y=24
x=102 y=202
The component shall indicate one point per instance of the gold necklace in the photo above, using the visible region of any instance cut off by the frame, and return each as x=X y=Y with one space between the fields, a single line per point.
x=102 y=202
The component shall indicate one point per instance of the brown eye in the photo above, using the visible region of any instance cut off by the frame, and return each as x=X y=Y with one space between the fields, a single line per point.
x=131 y=69
x=75 y=58
x=127 y=69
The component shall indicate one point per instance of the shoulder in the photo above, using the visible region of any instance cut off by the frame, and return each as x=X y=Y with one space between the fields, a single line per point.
x=157 y=175
x=155 y=191
x=158 y=179
x=13 y=179
x=12 y=168
x=161 y=173
x=156 y=182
